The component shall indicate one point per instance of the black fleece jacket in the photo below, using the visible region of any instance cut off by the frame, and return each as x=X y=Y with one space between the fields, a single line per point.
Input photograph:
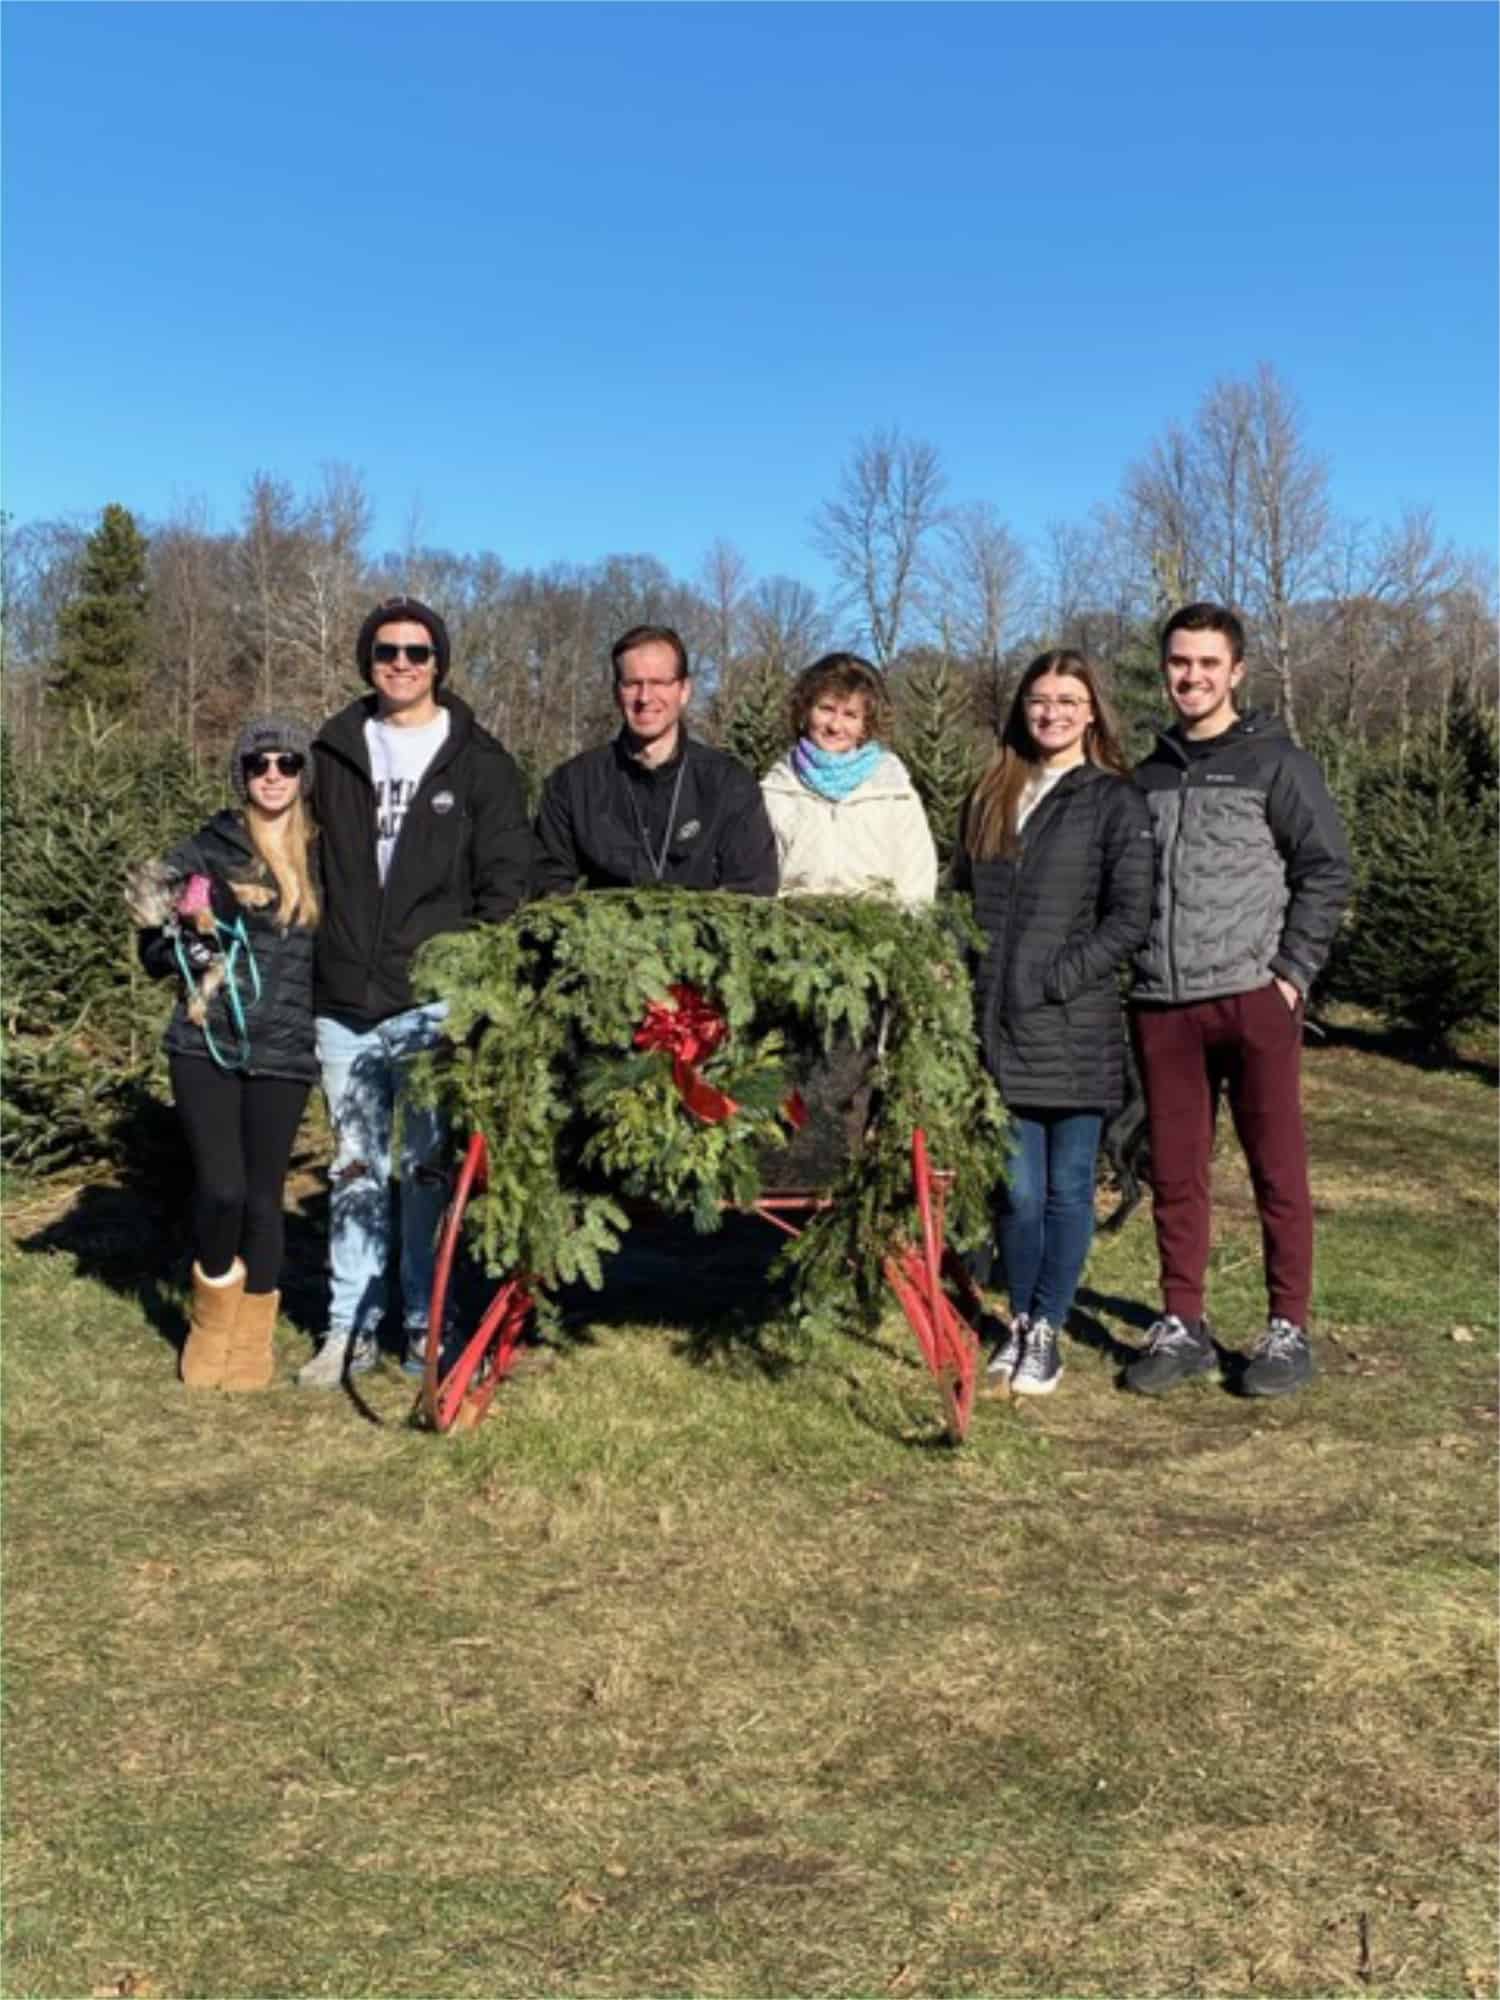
x=1060 y=920
x=604 y=817
x=463 y=856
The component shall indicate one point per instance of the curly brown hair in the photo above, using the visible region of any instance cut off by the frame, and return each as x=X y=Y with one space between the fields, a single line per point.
x=844 y=674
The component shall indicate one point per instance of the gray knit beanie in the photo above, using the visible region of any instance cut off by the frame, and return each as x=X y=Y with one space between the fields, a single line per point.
x=270 y=732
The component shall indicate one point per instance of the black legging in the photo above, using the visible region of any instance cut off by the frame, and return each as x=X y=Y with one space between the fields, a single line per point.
x=240 y=1131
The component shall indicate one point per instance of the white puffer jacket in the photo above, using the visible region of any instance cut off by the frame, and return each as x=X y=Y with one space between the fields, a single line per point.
x=875 y=842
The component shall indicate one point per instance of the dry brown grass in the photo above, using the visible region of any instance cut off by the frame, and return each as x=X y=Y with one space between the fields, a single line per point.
x=681 y=1679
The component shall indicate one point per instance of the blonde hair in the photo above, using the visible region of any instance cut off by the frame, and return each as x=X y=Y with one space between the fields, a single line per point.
x=989 y=831
x=288 y=855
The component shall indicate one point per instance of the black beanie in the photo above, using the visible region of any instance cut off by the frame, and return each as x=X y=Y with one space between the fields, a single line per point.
x=402 y=611
x=270 y=732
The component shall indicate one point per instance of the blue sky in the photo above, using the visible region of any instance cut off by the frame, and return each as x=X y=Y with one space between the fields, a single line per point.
x=577 y=279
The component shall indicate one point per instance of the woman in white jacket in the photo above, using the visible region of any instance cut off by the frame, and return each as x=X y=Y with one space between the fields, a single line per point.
x=846 y=815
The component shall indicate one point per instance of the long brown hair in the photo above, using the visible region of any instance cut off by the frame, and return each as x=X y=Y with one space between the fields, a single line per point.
x=990 y=816
x=288 y=855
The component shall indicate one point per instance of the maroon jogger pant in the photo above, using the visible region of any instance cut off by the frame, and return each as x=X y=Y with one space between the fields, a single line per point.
x=1250 y=1047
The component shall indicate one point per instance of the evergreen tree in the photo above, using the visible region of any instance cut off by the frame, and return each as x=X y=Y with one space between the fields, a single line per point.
x=1136 y=688
x=1421 y=946
x=102 y=630
x=758 y=729
x=937 y=740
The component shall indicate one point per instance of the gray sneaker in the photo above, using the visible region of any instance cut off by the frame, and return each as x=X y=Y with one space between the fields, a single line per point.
x=414 y=1362
x=1179 y=1350
x=1040 y=1368
x=1279 y=1362
x=1006 y=1357
x=341 y=1355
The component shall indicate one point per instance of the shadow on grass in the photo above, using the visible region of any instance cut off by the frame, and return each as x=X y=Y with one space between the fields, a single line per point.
x=717 y=1292
x=1404 y=1045
x=133 y=1235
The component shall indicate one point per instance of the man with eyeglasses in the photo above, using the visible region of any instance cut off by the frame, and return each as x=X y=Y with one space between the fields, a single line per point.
x=422 y=829
x=654 y=805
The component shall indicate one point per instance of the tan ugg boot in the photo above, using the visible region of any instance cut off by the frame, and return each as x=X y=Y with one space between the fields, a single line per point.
x=252 y=1352
x=216 y=1304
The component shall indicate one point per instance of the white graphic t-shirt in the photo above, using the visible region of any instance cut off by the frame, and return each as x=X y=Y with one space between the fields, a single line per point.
x=398 y=763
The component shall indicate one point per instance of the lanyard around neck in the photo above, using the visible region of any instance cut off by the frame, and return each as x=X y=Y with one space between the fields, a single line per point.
x=658 y=862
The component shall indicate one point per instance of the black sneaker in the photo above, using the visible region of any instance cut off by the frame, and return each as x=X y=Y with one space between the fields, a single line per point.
x=1280 y=1361
x=1040 y=1368
x=1006 y=1357
x=1178 y=1351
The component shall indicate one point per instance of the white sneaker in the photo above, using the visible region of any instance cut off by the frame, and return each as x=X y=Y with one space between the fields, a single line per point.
x=341 y=1354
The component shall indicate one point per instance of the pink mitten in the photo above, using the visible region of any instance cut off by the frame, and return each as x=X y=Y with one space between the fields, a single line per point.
x=196 y=897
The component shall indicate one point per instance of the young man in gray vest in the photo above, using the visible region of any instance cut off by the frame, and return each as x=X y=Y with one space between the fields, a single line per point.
x=1252 y=877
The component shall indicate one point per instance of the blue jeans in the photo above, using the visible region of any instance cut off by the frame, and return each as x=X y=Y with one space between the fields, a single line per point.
x=364 y=1073
x=1045 y=1220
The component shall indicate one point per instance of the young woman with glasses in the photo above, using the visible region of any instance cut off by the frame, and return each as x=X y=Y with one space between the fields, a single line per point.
x=1055 y=847
x=239 y=933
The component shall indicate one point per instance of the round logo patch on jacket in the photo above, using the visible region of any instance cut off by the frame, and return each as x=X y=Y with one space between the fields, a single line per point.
x=443 y=802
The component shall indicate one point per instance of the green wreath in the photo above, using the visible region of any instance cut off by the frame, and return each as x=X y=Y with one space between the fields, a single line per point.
x=582 y=1045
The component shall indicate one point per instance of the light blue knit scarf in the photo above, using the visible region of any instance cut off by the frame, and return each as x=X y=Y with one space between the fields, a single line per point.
x=834 y=774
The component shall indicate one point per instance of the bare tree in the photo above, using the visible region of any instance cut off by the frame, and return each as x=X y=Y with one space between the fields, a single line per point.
x=877 y=533
x=1164 y=507
x=787 y=626
x=723 y=580
x=1416 y=569
x=1223 y=447
x=1288 y=489
x=270 y=547
x=191 y=596
x=40 y=575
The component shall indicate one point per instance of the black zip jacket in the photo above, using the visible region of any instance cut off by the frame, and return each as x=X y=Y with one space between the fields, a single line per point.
x=1252 y=865
x=279 y=1024
x=1060 y=919
x=604 y=818
x=463 y=856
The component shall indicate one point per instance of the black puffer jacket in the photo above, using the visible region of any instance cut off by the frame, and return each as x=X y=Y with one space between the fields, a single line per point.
x=1059 y=922
x=463 y=856
x=1254 y=871
x=279 y=1025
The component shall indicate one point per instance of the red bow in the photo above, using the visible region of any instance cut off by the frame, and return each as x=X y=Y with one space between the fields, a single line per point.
x=689 y=1027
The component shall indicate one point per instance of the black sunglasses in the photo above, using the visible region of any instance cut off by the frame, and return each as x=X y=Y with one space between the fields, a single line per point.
x=288 y=762
x=387 y=654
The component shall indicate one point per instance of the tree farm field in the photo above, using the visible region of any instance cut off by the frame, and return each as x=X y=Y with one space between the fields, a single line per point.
x=698 y=1670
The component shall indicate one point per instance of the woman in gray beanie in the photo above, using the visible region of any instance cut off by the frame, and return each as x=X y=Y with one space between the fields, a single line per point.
x=232 y=911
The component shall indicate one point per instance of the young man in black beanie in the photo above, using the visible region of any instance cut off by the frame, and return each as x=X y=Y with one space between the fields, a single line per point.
x=423 y=828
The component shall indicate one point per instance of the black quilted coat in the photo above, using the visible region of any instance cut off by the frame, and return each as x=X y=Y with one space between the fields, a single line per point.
x=1060 y=919
x=279 y=1025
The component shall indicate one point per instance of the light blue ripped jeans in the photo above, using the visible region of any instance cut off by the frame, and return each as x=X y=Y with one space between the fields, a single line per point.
x=363 y=1074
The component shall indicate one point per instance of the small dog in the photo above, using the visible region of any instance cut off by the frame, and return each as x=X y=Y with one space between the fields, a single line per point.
x=192 y=907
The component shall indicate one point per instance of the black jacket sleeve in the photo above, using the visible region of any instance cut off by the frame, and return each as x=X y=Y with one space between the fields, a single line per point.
x=502 y=855
x=1126 y=881
x=557 y=864
x=1310 y=837
x=746 y=860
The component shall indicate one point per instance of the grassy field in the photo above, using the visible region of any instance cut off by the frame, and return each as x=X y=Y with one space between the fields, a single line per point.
x=697 y=1673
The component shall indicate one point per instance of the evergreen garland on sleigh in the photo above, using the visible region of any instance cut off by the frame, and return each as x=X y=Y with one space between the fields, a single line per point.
x=651 y=1044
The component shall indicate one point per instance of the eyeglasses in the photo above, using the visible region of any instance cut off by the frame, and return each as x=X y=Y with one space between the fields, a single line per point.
x=288 y=762
x=386 y=655
x=647 y=687
x=1067 y=706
